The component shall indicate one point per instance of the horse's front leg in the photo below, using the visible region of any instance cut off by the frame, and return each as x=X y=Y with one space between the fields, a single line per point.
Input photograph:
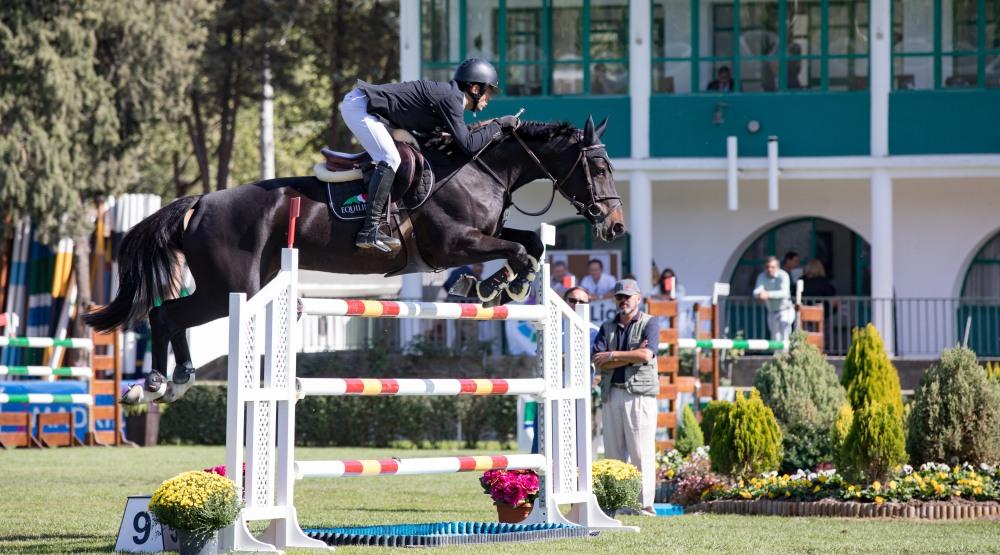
x=519 y=288
x=481 y=248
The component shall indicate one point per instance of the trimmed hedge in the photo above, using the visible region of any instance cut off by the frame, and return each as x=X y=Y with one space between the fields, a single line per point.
x=200 y=418
x=875 y=443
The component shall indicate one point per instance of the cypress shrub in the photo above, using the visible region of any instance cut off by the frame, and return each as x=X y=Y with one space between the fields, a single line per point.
x=709 y=415
x=746 y=439
x=690 y=437
x=875 y=443
x=869 y=376
x=956 y=412
x=838 y=435
x=802 y=390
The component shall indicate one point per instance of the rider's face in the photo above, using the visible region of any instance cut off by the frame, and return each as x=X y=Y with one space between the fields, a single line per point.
x=483 y=100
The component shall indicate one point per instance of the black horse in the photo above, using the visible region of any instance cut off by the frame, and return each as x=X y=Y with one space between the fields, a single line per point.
x=232 y=239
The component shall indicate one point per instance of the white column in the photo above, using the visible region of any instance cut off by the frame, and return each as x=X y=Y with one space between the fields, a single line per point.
x=640 y=77
x=409 y=41
x=640 y=222
x=881 y=187
x=409 y=70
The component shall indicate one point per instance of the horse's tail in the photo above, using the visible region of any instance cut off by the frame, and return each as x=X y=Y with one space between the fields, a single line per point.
x=146 y=261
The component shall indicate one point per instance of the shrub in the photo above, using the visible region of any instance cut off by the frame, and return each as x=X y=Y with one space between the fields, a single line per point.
x=709 y=415
x=838 y=435
x=617 y=484
x=993 y=371
x=802 y=390
x=956 y=412
x=875 y=443
x=690 y=436
x=746 y=439
x=695 y=479
x=868 y=374
x=199 y=417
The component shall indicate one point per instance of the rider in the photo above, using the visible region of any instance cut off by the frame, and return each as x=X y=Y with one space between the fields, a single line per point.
x=422 y=106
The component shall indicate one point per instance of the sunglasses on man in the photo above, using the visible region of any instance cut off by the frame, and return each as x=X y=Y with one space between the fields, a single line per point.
x=575 y=301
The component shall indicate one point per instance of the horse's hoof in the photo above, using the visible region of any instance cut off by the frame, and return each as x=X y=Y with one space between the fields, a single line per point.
x=488 y=293
x=137 y=394
x=519 y=290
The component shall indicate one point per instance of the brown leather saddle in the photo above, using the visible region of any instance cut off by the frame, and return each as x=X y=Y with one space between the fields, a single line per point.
x=343 y=174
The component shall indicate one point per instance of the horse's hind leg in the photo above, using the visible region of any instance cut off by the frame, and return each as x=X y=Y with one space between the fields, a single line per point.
x=168 y=323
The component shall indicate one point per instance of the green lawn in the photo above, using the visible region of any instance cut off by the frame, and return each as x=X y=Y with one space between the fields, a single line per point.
x=71 y=501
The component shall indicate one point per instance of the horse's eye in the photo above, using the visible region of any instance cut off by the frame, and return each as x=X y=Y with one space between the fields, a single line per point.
x=601 y=171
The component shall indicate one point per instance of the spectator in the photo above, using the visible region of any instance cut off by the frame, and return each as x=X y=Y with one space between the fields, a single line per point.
x=773 y=286
x=793 y=265
x=723 y=81
x=576 y=295
x=600 y=285
x=475 y=271
x=663 y=284
x=601 y=82
x=558 y=274
x=814 y=282
x=625 y=354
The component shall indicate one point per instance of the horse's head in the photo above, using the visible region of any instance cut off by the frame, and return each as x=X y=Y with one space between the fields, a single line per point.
x=591 y=187
x=582 y=173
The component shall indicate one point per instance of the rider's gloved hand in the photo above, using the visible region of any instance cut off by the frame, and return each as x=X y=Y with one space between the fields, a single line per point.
x=508 y=123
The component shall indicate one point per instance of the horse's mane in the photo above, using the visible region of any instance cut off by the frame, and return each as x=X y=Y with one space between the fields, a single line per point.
x=528 y=130
x=546 y=131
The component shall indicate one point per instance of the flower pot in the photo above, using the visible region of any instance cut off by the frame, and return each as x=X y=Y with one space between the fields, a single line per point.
x=510 y=514
x=198 y=543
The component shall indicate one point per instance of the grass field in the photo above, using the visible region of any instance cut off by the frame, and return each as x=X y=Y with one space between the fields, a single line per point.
x=71 y=501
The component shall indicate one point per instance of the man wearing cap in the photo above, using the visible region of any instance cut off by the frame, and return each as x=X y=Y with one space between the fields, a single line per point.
x=625 y=354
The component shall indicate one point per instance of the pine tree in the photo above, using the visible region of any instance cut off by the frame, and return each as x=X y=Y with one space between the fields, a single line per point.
x=875 y=442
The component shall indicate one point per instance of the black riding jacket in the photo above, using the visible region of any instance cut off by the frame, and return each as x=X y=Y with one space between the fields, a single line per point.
x=424 y=106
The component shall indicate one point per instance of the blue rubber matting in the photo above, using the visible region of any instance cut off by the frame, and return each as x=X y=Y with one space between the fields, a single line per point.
x=444 y=533
x=668 y=509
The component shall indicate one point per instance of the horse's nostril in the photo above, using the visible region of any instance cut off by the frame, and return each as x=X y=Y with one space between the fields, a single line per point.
x=618 y=229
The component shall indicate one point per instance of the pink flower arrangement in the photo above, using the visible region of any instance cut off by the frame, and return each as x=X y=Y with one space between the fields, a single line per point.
x=220 y=470
x=514 y=487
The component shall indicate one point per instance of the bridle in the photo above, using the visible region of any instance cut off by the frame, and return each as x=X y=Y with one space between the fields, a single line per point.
x=590 y=209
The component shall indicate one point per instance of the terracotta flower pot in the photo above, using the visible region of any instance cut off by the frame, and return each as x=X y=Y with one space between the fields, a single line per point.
x=510 y=514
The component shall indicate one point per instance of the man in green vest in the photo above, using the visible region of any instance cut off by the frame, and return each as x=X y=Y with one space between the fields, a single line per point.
x=625 y=355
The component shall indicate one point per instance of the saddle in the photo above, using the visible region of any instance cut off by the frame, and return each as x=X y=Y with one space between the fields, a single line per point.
x=343 y=175
x=341 y=167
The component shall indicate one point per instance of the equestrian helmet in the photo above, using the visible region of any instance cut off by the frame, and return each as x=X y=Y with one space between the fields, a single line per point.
x=477 y=70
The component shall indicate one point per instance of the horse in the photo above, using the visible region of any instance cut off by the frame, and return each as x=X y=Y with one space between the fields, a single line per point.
x=231 y=239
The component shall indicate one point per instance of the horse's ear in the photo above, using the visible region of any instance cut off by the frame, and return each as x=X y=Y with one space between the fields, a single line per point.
x=588 y=131
x=601 y=127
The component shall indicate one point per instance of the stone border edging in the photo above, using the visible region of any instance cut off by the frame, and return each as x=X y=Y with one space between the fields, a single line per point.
x=930 y=510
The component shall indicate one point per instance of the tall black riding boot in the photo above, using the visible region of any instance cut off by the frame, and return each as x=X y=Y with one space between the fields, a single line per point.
x=371 y=236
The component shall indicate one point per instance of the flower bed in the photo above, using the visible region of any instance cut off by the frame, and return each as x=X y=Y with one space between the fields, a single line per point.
x=932 y=482
x=936 y=510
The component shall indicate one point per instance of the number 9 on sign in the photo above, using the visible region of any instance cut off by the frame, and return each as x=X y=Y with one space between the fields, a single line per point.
x=140 y=532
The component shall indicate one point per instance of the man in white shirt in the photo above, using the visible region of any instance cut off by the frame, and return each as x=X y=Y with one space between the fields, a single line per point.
x=774 y=288
x=600 y=285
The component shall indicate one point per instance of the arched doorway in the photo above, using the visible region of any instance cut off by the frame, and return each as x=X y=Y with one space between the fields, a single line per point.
x=845 y=255
x=846 y=260
x=980 y=304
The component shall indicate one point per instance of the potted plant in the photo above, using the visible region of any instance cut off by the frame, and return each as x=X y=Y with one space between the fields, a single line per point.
x=197 y=505
x=617 y=485
x=513 y=492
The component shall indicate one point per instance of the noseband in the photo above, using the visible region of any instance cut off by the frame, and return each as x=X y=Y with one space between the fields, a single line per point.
x=589 y=209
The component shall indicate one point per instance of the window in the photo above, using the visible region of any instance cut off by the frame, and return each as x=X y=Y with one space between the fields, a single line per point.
x=540 y=47
x=759 y=45
x=946 y=44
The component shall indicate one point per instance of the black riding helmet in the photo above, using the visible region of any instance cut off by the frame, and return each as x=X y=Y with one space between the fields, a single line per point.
x=476 y=70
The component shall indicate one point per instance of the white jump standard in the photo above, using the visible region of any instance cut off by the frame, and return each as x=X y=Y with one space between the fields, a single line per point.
x=260 y=427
